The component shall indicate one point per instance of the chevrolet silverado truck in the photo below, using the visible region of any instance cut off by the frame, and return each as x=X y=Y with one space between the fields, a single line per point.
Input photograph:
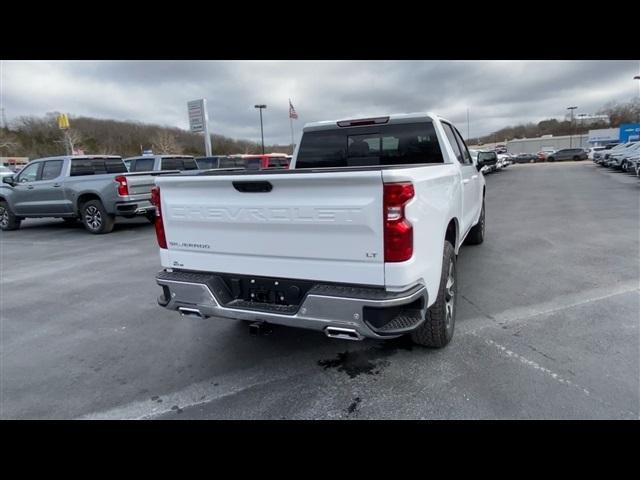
x=358 y=239
x=94 y=189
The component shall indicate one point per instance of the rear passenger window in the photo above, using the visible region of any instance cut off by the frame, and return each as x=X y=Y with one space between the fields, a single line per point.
x=51 y=169
x=169 y=164
x=96 y=166
x=452 y=140
x=115 y=165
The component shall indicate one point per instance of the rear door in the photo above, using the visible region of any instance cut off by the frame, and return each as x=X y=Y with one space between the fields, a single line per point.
x=469 y=177
x=302 y=225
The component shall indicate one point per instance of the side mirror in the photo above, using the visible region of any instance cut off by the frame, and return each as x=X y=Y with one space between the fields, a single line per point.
x=9 y=180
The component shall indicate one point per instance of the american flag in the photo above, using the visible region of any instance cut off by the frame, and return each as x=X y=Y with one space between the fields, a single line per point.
x=292 y=111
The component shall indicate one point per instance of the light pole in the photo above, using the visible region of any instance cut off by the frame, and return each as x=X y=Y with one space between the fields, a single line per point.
x=571 y=132
x=637 y=77
x=260 y=107
x=468 y=137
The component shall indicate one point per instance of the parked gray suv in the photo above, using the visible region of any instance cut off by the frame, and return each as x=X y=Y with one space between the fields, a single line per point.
x=94 y=189
x=568 y=154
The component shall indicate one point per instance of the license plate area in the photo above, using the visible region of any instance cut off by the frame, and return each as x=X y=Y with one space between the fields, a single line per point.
x=266 y=291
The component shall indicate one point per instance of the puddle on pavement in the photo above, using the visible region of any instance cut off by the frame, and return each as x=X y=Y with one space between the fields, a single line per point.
x=369 y=361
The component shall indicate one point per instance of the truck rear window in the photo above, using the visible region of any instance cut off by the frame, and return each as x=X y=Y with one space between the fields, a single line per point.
x=96 y=166
x=179 y=164
x=395 y=144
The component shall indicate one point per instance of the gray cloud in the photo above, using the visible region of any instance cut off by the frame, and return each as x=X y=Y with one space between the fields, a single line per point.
x=497 y=93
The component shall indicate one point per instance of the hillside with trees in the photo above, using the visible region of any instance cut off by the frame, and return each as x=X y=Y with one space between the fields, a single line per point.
x=36 y=137
x=618 y=113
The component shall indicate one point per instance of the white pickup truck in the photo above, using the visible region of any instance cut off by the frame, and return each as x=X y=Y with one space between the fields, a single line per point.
x=358 y=239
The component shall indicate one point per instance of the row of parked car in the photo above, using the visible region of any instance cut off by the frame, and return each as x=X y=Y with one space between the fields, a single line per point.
x=96 y=189
x=503 y=158
x=623 y=156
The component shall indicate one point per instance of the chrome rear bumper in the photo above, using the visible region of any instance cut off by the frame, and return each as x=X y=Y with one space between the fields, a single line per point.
x=323 y=306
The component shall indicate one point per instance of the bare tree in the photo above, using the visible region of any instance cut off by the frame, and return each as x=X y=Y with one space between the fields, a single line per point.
x=7 y=141
x=165 y=142
x=74 y=138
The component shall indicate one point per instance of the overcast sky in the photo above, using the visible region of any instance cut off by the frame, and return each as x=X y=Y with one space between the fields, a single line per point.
x=497 y=93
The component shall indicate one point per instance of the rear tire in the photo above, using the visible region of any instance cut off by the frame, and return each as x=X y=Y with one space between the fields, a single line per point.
x=551 y=159
x=95 y=218
x=576 y=158
x=476 y=234
x=8 y=221
x=437 y=330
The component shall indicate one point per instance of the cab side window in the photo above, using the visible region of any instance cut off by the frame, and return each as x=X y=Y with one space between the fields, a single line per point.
x=452 y=140
x=466 y=156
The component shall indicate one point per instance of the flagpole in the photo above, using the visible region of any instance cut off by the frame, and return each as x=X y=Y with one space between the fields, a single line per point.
x=291 y=123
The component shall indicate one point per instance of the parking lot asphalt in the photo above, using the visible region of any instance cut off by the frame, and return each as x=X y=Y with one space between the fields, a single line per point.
x=547 y=325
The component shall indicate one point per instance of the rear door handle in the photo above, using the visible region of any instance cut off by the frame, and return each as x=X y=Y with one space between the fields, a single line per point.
x=474 y=177
x=56 y=184
x=30 y=187
x=465 y=181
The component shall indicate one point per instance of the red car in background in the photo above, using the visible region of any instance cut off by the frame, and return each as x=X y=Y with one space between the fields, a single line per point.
x=267 y=161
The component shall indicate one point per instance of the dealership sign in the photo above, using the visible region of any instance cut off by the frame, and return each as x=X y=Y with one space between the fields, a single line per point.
x=604 y=135
x=197 y=115
x=629 y=132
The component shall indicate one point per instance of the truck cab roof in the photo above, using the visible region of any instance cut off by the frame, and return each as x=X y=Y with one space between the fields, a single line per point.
x=74 y=157
x=395 y=118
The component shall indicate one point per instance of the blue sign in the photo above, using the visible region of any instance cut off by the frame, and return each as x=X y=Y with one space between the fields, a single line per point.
x=629 y=132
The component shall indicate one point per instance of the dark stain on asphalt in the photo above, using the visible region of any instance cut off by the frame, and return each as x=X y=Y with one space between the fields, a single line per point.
x=354 y=405
x=369 y=361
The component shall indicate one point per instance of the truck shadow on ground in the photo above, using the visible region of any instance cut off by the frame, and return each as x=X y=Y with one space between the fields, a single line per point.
x=55 y=225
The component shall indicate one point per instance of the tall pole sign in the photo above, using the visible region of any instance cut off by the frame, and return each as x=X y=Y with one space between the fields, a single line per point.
x=63 y=124
x=199 y=121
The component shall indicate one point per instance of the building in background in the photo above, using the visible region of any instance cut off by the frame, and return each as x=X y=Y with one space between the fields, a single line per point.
x=534 y=145
x=627 y=132
x=603 y=136
x=13 y=162
x=588 y=118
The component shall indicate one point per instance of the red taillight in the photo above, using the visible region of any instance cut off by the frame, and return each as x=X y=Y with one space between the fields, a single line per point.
x=123 y=186
x=398 y=232
x=159 y=224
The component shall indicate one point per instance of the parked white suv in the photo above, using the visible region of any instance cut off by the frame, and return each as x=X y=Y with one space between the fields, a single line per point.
x=358 y=239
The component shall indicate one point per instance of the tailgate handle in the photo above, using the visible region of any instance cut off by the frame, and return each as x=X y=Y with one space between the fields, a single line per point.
x=252 y=187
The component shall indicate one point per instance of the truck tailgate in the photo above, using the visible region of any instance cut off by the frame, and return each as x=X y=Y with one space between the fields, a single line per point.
x=140 y=184
x=312 y=226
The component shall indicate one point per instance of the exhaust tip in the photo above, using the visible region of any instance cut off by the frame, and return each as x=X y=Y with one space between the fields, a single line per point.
x=190 y=312
x=343 y=333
